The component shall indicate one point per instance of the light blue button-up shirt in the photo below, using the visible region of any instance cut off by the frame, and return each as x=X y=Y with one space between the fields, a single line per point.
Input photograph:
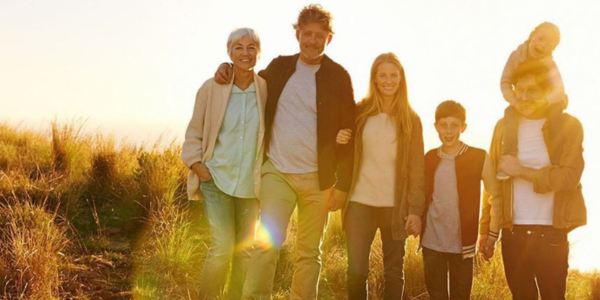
x=232 y=162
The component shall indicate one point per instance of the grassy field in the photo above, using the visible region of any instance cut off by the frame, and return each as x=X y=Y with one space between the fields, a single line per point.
x=83 y=219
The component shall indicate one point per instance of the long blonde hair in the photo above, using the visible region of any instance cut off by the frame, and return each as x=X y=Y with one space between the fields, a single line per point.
x=401 y=110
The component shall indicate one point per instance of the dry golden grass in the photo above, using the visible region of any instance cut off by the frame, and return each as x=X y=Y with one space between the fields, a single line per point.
x=31 y=241
x=132 y=234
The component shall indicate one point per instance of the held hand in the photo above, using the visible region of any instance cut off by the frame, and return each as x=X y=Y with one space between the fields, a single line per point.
x=413 y=225
x=202 y=171
x=486 y=247
x=343 y=136
x=224 y=74
x=490 y=246
x=337 y=199
x=510 y=165
x=481 y=242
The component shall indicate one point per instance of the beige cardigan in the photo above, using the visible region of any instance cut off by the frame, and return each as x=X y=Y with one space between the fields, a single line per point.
x=201 y=134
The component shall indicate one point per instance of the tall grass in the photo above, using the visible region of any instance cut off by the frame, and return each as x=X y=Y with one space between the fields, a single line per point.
x=160 y=174
x=31 y=241
x=168 y=262
x=132 y=233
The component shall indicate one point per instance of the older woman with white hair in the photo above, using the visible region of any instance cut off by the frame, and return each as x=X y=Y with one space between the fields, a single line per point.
x=223 y=150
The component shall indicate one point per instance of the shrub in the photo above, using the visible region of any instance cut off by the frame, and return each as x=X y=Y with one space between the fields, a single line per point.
x=160 y=175
x=70 y=149
x=30 y=251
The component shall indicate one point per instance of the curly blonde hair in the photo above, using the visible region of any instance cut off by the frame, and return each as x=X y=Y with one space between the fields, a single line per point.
x=314 y=13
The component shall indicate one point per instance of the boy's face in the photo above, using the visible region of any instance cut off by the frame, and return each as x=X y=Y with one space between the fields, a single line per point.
x=449 y=130
x=541 y=44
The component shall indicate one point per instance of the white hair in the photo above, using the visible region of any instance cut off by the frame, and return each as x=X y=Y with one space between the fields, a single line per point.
x=237 y=34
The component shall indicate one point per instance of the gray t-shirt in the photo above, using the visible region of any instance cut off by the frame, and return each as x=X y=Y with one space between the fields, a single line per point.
x=293 y=147
x=442 y=231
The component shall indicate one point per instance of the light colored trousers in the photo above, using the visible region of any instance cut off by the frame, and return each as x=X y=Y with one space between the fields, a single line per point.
x=231 y=221
x=280 y=194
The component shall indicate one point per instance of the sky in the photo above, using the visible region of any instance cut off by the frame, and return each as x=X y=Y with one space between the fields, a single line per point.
x=131 y=68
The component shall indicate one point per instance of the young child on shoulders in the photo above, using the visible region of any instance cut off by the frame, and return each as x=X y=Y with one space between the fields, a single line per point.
x=538 y=47
x=453 y=175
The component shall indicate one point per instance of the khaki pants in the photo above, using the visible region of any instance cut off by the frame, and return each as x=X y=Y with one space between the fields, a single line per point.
x=280 y=194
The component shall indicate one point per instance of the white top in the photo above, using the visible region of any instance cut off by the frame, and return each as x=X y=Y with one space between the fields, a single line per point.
x=377 y=175
x=529 y=207
x=293 y=147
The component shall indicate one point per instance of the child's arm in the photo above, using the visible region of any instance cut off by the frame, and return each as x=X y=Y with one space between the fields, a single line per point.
x=506 y=81
x=343 y=136
x=506 y=85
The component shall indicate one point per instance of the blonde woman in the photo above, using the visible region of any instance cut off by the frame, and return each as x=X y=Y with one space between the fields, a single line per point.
x=223 y=150
x=387 y=192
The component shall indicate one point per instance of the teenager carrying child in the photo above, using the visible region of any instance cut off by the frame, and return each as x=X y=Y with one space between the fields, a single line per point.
x=538 y=47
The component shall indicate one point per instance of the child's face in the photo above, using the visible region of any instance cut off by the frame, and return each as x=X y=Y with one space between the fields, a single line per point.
x=449 y=130
x=542 y=43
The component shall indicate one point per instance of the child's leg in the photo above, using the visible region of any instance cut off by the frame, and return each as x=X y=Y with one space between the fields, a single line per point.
x=511 y=129
x=461 y=277
x=435 y=265
x=555 y=112
x=509 y=139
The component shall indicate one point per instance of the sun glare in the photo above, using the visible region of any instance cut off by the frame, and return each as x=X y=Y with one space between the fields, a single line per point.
x=136 y=72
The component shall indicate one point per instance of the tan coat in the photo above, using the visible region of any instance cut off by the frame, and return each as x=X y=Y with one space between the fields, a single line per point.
x=203 y=130
x=562 y=178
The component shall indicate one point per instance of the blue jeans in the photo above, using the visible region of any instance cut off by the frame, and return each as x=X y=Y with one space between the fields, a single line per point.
x=232 y=227
x=441 y=265
x=361 y=224
x=536 y=258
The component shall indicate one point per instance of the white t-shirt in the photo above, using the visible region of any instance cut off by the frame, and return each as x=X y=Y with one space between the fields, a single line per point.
x=529 y=207
x=377 y=175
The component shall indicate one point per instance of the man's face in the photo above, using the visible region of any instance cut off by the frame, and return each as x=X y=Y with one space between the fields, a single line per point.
x=313 y=38
x=530 y=98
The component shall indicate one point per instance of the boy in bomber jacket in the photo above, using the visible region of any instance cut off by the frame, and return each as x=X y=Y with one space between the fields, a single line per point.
x=453 y=175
